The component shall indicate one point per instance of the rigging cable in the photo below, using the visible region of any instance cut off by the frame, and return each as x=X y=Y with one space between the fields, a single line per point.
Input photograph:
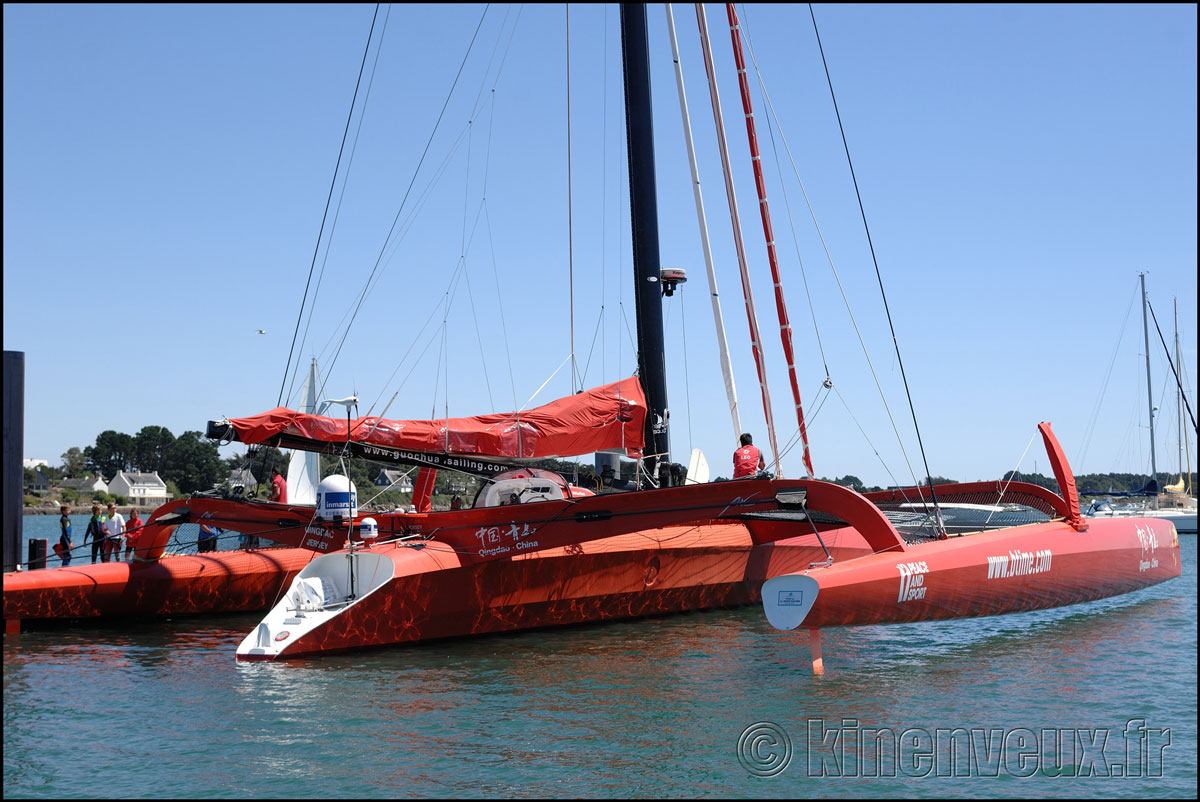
x=878 y=275
x=1011 y=477
x=739 y=246
x=838 y=280
x=362 y=296
x=570 y=214
x=705 y=245
x=785 y=326
x=328 y=201
x=762 y=87
x=341 y=198
x=1178 y=382
x=1091 y=427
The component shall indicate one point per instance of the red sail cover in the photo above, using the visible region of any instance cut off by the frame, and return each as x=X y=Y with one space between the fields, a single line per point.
x=612 y=416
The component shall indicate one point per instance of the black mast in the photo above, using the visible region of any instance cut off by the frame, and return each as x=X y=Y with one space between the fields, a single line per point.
x=643 y=209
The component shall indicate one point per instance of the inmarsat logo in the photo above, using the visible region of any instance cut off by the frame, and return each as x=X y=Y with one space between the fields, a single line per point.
x=912 y=580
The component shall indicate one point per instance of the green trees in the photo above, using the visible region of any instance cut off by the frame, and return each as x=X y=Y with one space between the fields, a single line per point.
x=193 y=463
x=152 y=448
x=186 y=463
x=112 y=452
x=74 y=464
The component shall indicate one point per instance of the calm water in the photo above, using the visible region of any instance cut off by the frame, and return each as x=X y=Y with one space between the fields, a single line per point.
x=646 y=708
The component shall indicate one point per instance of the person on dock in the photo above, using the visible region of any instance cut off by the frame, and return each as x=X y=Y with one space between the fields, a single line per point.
x=95 y=530
x=278 y=487
x=114 y=530
x=64 y=540
x=208 y=538
x=747 y=459
x=132 y=528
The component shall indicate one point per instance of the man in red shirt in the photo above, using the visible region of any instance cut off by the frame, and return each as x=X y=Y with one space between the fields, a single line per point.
x=278 y=487
x=747 y=460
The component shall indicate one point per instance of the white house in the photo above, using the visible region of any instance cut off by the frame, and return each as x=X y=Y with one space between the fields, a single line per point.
x=88 y=484
x=394 y=480
x=140 y=489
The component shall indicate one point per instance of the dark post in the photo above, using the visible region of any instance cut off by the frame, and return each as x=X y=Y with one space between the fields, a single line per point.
x=14 y=446
x=37 y=553
x=643 y=208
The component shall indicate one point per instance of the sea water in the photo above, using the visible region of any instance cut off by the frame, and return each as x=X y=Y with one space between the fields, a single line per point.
x=705 y=704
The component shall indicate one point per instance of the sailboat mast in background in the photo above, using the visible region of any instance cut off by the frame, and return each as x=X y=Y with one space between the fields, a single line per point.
x=1149 y=393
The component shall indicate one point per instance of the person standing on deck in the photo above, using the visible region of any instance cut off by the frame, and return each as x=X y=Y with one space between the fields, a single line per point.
x=114 y=529
x=132 y=528
x=278 y=487
x=64 y=540
x=208 y=538
x=747 y=460
x=95 y=530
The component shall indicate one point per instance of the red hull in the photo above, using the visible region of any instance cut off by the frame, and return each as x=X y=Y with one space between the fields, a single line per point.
x=219 y=582
x=434 y=595
x=1008 y=571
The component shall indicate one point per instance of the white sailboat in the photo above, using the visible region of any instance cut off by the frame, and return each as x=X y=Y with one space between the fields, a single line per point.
x=304 y=468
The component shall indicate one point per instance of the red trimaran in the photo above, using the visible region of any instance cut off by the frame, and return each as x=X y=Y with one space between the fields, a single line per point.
x=829 y=556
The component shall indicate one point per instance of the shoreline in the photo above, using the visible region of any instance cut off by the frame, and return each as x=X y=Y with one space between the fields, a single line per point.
x=86 y=509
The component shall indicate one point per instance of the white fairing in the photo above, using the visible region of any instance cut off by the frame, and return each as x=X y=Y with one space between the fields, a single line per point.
x=319 y=593
x=304 y=468
x=788 y=598
x=520 y=491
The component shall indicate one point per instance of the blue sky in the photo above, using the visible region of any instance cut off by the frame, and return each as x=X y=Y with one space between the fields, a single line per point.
x=166 y=170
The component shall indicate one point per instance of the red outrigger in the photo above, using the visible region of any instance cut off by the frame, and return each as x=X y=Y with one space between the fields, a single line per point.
x=1064 y=561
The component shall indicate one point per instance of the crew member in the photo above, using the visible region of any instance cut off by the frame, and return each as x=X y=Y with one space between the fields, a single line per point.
x=747 y=460
x=278 y=487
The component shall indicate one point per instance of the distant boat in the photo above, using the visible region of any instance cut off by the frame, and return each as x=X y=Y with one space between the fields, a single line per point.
x=1184 y=518
x=1171 y=503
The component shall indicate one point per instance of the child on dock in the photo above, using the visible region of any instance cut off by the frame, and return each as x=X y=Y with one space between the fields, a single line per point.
x=64 y=540
x=95 y=530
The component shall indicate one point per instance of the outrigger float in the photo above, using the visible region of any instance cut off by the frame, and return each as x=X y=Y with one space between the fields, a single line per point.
x=184 y=584
x=1065 y=561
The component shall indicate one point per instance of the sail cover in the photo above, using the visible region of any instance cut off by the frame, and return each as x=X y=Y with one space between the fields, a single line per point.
x=608 y=417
